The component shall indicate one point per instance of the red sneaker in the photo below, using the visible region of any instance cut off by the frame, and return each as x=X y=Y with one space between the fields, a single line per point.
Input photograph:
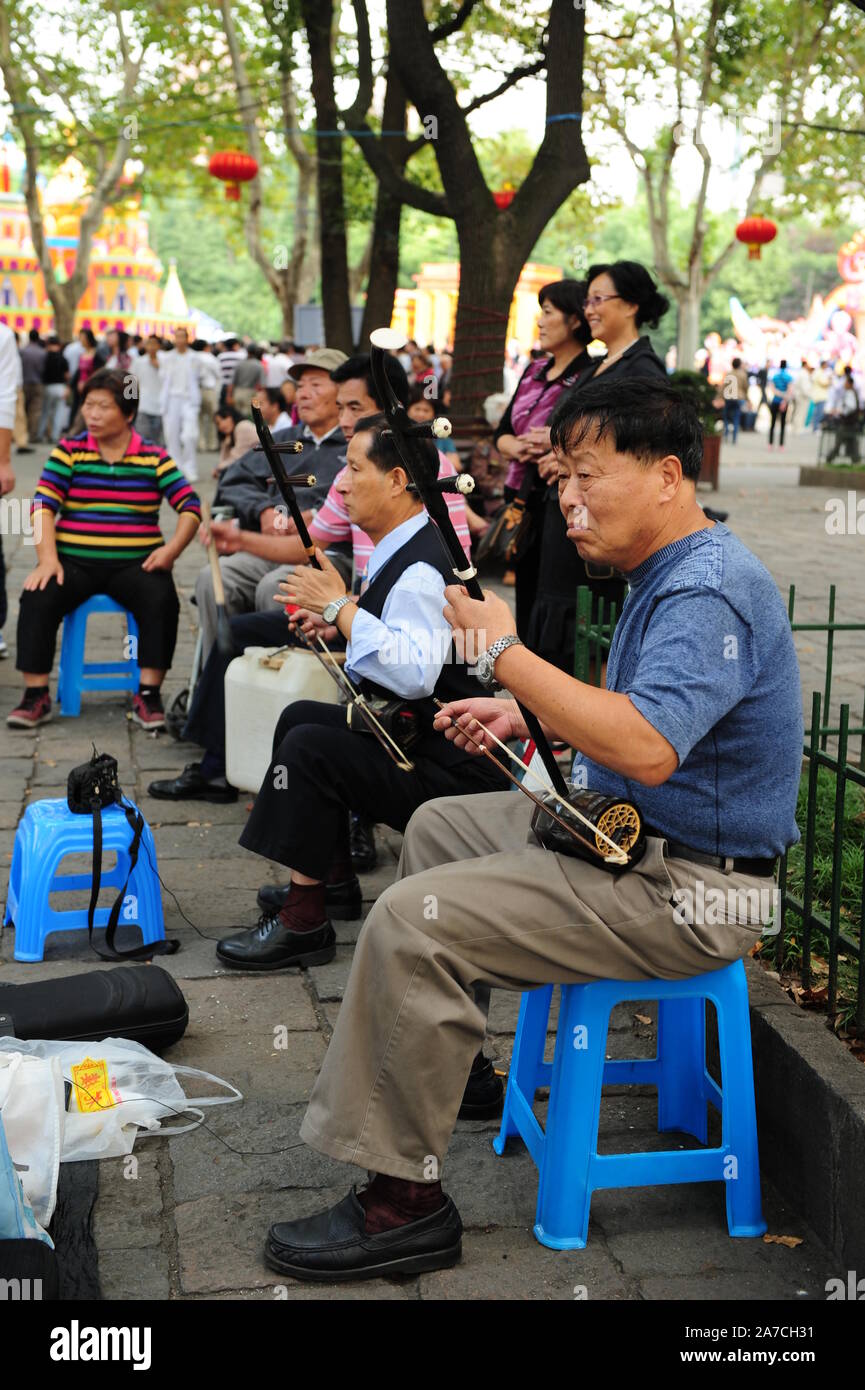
x=147 y=711
x=34 y=709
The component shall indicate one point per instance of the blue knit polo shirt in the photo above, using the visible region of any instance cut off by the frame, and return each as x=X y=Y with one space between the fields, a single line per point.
x=704 y=651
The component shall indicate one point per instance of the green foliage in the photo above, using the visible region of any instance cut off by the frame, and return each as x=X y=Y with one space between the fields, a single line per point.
x=698 y=391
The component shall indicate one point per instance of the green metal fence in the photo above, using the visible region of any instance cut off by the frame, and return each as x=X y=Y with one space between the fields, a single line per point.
x=830 y=627
x=820 y=908
x=594 y=635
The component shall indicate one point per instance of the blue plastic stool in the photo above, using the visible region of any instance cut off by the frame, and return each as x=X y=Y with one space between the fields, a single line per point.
x=46 y=833
x=566 y=1156
x=76 y=674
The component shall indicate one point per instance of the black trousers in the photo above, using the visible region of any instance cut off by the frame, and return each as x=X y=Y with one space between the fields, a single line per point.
x=777 y=414
x=205 y=723
x=151 y=598
x=321 y=769
x=551 y=629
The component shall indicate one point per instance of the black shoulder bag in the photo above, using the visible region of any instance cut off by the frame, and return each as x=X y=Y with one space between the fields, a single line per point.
x=91 y=787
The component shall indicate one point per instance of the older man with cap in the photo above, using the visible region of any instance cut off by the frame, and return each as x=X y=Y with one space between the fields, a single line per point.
x=246 y=487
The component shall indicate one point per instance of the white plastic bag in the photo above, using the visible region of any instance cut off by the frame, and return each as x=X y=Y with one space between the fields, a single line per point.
x=119 y=1090
x=31 y=1106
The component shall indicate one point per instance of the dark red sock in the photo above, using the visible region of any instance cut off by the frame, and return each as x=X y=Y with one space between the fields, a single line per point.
x=304 y=909
x=391 y=1202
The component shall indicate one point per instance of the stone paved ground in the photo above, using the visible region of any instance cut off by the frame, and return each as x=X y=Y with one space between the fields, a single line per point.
x=191 y=1225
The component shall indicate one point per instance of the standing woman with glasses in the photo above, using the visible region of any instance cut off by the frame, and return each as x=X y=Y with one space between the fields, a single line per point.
x=522 y=435
x=620 y=298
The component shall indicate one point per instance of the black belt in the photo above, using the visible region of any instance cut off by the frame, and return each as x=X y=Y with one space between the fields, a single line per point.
x=760 y=868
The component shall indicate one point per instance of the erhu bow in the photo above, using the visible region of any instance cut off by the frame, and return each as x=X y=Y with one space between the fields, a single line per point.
x=621 y=818
x=285 y=483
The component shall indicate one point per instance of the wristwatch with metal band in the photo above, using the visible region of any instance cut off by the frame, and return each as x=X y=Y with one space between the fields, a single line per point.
x=485 y=667
x=330 y=610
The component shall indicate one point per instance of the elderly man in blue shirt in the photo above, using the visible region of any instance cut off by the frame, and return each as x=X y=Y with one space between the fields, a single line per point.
x=700 y=725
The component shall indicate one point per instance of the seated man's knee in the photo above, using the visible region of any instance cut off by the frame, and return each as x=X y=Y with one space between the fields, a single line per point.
x=431 y=816
x=265 y=590
x=299 y=714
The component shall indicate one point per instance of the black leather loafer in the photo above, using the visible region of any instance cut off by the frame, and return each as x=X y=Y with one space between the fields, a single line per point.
x=484 y=1095
x=362 y=845
x=272 y=946
x=191 y=786
x=333 y=1245
x=344 y=900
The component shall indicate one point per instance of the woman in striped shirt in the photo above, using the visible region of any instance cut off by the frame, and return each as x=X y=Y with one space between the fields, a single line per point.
x=96 y=523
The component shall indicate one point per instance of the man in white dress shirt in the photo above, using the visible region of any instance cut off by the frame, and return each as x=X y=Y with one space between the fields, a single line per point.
x=181 y=400
x=398 y=648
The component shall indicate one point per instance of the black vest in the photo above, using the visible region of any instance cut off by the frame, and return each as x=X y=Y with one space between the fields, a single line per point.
x=454 y=682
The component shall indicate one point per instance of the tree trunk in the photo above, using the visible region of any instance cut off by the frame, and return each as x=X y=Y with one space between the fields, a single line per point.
x=688 y=337
x=487 y=279
x=384 y=260
x=384 y=265
x=318 y=18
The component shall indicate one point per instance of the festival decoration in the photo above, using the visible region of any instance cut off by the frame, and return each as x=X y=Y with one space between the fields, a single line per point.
x=756 y=232
x=234 y=168
x=503 y=197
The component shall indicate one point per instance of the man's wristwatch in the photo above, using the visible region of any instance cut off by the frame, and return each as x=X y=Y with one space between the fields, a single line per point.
x=485 y=666
x=330 y=610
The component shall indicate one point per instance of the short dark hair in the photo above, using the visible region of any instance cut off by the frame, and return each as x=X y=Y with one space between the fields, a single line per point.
x=359 y=368
x=646 y=418
x=123 y=386
x=737 y=362
x=782 y=364
x=635 y=286
x=383 y=452
x=33 y=335
x=417 y=393
x=275 y=396
x=567 y=296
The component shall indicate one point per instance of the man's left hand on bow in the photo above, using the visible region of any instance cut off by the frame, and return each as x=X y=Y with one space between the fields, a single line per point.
x=476 y=624
x=311 y=588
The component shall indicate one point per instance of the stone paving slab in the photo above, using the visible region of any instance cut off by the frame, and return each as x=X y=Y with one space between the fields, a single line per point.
x=191 y=1222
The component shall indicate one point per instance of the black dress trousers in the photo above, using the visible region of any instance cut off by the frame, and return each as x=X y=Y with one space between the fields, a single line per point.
x=321 y=769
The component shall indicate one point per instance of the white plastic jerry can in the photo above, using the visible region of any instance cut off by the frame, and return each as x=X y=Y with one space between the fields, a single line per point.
x=255 y=696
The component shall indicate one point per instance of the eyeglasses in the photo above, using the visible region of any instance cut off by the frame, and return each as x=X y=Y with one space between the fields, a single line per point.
x=594 y=299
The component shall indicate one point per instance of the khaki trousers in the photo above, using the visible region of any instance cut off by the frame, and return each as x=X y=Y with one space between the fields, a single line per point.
x=479 y=903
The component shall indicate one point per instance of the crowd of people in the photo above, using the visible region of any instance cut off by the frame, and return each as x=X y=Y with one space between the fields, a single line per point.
x=599 y=455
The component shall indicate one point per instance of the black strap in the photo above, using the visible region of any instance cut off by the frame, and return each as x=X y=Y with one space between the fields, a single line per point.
x=109 y=950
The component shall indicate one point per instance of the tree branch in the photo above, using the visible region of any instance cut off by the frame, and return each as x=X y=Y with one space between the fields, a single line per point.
x=444 y=31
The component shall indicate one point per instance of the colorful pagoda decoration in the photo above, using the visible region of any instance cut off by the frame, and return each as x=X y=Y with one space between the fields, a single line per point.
x=123 y=286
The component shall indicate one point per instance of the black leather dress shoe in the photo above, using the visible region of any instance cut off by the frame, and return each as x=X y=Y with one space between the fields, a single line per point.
x=191 y=786
x=484 y=1095
x=344 y=901
x=362 y=844
x=333 y=1245
x=272 y=946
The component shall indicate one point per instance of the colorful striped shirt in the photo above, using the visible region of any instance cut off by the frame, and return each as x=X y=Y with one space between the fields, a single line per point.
x=110 y=511
x=332 y=523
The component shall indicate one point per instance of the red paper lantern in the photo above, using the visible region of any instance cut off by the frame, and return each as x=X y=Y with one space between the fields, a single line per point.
x=235 y=168
x=756 y=232
x=503 y=197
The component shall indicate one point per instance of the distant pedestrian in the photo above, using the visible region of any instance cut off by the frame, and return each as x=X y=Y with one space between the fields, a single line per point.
x=781 y=382
x=734 y=390
x=845 y=405
x=210 y=382
x=821 y=382
x=247 y=380
x=147 y=370
x=32 y=369
x=181 y=398
x=55 y=376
